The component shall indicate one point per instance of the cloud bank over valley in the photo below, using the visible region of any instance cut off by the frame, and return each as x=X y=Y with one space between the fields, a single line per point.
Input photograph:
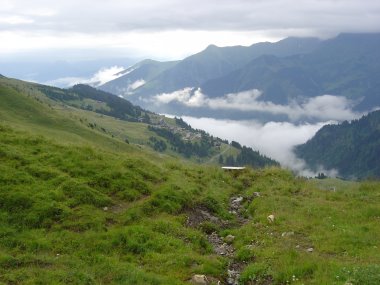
x=320 y=108
x=274 y=139
x=102 y=76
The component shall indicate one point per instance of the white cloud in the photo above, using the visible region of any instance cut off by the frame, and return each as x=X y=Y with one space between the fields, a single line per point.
x=274 y=139
x=137 y=84
x=105 y=74
x=15 y=20
x=100 y=77
x=324 y=107
x=182 y=96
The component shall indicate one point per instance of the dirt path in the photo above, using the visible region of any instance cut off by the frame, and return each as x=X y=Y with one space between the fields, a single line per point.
x=223 y=246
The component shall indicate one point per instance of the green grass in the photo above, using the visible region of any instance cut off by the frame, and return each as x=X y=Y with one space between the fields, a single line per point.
x=342 y=227
x=55 y=225
x=78 y=206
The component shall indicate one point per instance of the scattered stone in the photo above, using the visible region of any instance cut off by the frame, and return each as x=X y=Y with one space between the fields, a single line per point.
x=310 y=249
x=297 y=246
x=236 y=203
x=233 y=277
x=237 y=200
x=220 y=247
x=270 y=218
x=287 y=234
x=256 y=194
x=229 y=239
x=105 y=209
x=199 y=279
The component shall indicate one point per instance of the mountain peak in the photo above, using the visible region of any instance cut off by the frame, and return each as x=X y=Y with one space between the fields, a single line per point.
x=212 y=47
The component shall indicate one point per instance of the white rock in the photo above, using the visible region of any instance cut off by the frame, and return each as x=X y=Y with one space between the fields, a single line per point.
x=199 y=279
x=271 y=218
x=237 y=200
x=310 y=249
x=286 y=234
x=229 y=238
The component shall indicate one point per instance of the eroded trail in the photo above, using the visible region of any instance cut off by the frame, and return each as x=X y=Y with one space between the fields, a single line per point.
x=223 y=246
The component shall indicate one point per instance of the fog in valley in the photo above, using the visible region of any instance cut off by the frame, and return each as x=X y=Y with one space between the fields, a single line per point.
x=274 y=139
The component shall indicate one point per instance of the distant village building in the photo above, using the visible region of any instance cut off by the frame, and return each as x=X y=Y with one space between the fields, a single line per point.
x=233 y=167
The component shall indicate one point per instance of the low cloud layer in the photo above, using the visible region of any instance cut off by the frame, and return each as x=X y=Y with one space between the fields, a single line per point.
x=100 y=77
x=322 y=108
x=274 y=139
x=137 y=84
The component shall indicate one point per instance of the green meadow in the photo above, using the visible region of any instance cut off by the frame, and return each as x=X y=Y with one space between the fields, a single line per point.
x=80 y=205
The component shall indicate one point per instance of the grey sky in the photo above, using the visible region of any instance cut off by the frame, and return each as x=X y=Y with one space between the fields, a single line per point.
x=173 y=28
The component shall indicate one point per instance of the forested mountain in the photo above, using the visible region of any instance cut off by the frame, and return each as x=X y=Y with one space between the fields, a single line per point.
x=352 y=148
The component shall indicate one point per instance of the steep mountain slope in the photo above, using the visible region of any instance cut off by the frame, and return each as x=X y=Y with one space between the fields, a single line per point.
x=347 y=65
x=136 y=76
x=351 y=148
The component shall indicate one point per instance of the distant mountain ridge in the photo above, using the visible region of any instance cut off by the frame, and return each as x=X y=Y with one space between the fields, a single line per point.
x=293 y=69
x=215 y=62
x=352 y=148
x=136 y=76
x=347 y=65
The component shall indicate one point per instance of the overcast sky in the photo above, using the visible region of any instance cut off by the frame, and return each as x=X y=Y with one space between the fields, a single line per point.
x=170 y=29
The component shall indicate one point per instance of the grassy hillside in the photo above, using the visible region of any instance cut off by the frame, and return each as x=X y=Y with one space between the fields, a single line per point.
x=80 y=207
x=98 y=117
x=75 y=214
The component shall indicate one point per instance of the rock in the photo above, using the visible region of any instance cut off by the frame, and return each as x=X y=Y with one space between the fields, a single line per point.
x=105 y=209
x=229 y=239
x=270 y=218
x=286 y=234
x=237 y=200
x=233 y=277
x=235 y=203
x=297 y=246
x=220 y=247
x=310 y=249
x=256 y=194
x=199 y=279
